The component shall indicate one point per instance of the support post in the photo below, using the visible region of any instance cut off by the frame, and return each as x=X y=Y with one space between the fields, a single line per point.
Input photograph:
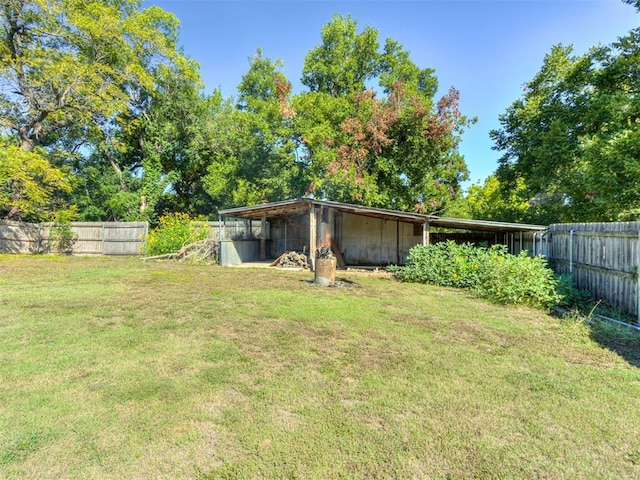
x=312 y=237
x=425 y=233
x=522 y=245
x=263 y=238
x=534 y=244
x=638 y=279
x=397 y=242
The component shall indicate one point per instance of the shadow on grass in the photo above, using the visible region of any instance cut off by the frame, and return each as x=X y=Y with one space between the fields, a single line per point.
x=622 y=340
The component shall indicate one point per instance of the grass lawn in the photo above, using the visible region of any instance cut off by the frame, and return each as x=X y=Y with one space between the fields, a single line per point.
x=115 y=369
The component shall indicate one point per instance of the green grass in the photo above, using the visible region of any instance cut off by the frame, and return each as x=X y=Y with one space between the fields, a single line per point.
x=111 y=368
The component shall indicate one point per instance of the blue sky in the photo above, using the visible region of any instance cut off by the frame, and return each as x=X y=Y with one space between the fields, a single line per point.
x=486 y=49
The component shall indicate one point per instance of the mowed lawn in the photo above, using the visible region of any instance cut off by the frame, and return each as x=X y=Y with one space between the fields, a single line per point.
x=111 y=368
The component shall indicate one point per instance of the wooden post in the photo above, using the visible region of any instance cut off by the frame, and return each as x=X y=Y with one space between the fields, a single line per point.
x=263 y=238
x=534 y=242
x=571 y=234
x=397 y=242
x=638 y=279
x=102 y=239
x=312 y=237
x=425 y=233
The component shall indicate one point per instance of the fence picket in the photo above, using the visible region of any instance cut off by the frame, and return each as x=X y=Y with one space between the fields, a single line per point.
x=604 y=259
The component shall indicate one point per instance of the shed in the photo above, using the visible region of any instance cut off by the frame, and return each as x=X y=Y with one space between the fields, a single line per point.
x=360 y=236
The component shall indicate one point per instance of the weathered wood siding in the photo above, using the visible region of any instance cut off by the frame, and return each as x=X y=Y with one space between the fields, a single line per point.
x=290 y=234
x=602 y=258
x=238 y=229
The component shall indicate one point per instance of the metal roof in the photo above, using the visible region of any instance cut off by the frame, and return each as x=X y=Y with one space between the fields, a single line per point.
x=302 y=205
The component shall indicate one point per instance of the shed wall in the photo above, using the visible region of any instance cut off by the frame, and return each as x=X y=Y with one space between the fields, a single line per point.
x=235 y=252
x=374 y=241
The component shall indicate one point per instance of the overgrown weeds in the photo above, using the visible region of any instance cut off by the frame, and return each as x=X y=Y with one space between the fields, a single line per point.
x=490 y=273
x=174 y=231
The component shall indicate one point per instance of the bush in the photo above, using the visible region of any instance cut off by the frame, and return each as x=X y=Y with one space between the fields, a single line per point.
x=61 y=236
x=519 y=280
x=446 y=263
x=174 y=231
x=490 y=273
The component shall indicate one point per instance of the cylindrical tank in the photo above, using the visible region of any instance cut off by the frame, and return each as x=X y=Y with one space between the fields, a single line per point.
x=325 y=271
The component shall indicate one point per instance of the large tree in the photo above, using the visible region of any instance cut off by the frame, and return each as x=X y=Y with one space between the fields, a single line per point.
x=70 y=67
x=573 y=139
x=257 y=161
x=372 y=131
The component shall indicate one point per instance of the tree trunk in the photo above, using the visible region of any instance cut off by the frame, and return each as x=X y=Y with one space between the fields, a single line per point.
x=27 y=143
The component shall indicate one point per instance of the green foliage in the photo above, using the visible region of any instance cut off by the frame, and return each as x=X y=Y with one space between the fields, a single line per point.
x=61 y=236
x=490 y=273
x=65 y=63
x=519 y=280
x=84 y=74
x=174 y=231
x=258 y=160
x=492 y=201
x=571 y=143
x=31 y=189
x=572 y=297
x=394 y=146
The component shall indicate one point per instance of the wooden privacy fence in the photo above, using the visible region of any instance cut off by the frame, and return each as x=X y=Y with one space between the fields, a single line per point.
x=603 y=258
x=107 y=238
x=92 y=238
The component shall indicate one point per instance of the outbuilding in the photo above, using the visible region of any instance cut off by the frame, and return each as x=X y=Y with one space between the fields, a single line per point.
x=358 y=235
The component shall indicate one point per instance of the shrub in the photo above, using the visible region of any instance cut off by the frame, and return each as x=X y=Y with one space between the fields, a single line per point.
x=519 y=280
x=446 y=263
x=61 y=236
x=490 y=273
x=174 y=231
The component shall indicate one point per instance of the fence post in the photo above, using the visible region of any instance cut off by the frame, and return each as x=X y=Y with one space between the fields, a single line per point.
x=571 y=251
x=638 y=279
x=534 y=245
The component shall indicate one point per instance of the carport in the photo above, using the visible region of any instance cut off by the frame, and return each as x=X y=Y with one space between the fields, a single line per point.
x=358 y=235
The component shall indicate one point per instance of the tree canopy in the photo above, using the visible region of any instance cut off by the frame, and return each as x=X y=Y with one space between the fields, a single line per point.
x=101 y=113
x=371 y=129
x=572 y=141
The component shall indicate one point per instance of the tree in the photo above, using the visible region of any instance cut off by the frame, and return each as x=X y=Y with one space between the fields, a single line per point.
x=572 y=140
x=260 y=163
x=65 y=62
x=29 y=184
x=389 y=146
x=491 y=201
x=70 y=67
x=160 y=138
